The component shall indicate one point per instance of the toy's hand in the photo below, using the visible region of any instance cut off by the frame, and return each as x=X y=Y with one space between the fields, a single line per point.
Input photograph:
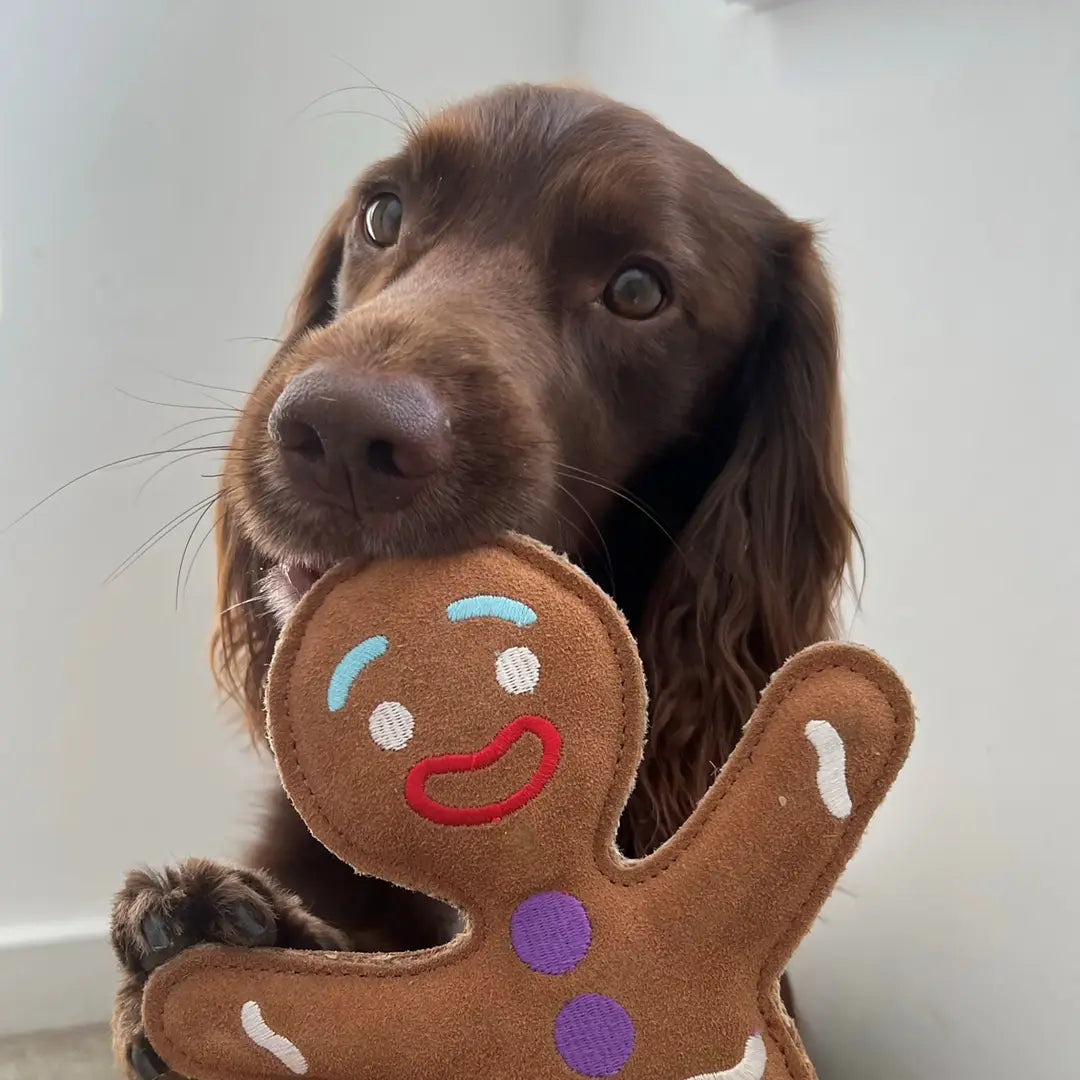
x=231 y=1014
x=761 y=853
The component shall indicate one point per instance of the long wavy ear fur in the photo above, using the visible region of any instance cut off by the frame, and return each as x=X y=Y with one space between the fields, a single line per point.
x=765 y=551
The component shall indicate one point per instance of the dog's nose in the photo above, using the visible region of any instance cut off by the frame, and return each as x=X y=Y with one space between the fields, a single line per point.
x=363 y=442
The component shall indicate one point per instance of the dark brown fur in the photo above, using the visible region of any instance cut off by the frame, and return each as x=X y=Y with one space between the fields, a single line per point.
x=691 y=462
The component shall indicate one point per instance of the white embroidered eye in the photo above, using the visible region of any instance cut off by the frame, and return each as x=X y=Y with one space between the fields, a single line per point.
x=518 y=670
x=391 y=725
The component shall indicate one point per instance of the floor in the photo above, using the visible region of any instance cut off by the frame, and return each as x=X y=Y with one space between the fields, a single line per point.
x=81 y=1054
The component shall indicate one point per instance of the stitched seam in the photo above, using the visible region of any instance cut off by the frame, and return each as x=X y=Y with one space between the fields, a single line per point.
x=840 y=856
x=684 y=839
x=476 y=922
x=560 y=574
x=566 y=576
x=458 y=953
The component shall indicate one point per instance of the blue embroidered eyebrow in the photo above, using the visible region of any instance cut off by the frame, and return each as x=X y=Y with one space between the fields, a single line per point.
x=350 y=665
x=491 y=607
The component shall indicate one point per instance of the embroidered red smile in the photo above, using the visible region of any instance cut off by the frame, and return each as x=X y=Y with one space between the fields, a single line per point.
x=443 y=814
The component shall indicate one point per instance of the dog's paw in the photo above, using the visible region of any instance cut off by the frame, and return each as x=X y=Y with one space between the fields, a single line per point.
x=158 y=913
x=144 y=1061
x=136 y=1057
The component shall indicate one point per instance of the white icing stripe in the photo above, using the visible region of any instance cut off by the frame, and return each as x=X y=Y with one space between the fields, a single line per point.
x=752 y=1066
x=831 y=776
x=251 y=1019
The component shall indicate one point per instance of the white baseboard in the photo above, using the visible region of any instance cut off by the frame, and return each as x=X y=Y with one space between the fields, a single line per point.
x=55 y=975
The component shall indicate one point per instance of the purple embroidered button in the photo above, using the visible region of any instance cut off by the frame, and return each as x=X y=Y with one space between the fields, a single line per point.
x=594 y=1035
x=550 y=932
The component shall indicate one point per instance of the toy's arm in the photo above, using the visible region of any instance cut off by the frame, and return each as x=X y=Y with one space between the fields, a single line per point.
x=767 y=844
x=218 y=1013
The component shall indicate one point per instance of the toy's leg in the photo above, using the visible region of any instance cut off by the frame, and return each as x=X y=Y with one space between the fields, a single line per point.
x=229 y=1014
x=755 y=862
x=156 y=915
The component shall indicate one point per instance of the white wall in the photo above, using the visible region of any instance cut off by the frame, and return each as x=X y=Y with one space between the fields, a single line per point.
x=939 y=142
x=158 y=196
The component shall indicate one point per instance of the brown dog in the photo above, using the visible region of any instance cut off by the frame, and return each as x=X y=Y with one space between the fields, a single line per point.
x=552 y=315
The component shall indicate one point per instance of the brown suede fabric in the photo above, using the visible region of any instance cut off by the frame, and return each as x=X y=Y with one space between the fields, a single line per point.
x=675 y=974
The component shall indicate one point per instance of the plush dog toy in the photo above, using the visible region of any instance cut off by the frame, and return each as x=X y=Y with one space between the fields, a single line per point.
x=470 y=727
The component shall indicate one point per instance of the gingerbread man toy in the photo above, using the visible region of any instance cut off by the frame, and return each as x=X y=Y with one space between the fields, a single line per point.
x=470 y=727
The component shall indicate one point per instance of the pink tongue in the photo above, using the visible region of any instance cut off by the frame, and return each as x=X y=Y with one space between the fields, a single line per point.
x=300 y=578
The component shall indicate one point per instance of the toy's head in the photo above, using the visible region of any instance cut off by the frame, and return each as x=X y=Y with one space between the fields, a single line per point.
x=446 y=722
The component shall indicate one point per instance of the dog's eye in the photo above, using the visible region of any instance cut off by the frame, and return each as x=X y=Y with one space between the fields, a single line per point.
x=382 y=220
x=635 y=293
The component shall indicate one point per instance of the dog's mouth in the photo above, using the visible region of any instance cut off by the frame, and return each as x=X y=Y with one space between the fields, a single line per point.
x=285 y=585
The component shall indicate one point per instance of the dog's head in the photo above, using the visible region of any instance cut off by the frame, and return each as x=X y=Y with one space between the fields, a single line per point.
x=548 y=313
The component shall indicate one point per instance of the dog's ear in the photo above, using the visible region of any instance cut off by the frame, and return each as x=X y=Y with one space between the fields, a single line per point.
x=763 y=557
x=242 y=642
x=315 y=301
x=243 y=639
